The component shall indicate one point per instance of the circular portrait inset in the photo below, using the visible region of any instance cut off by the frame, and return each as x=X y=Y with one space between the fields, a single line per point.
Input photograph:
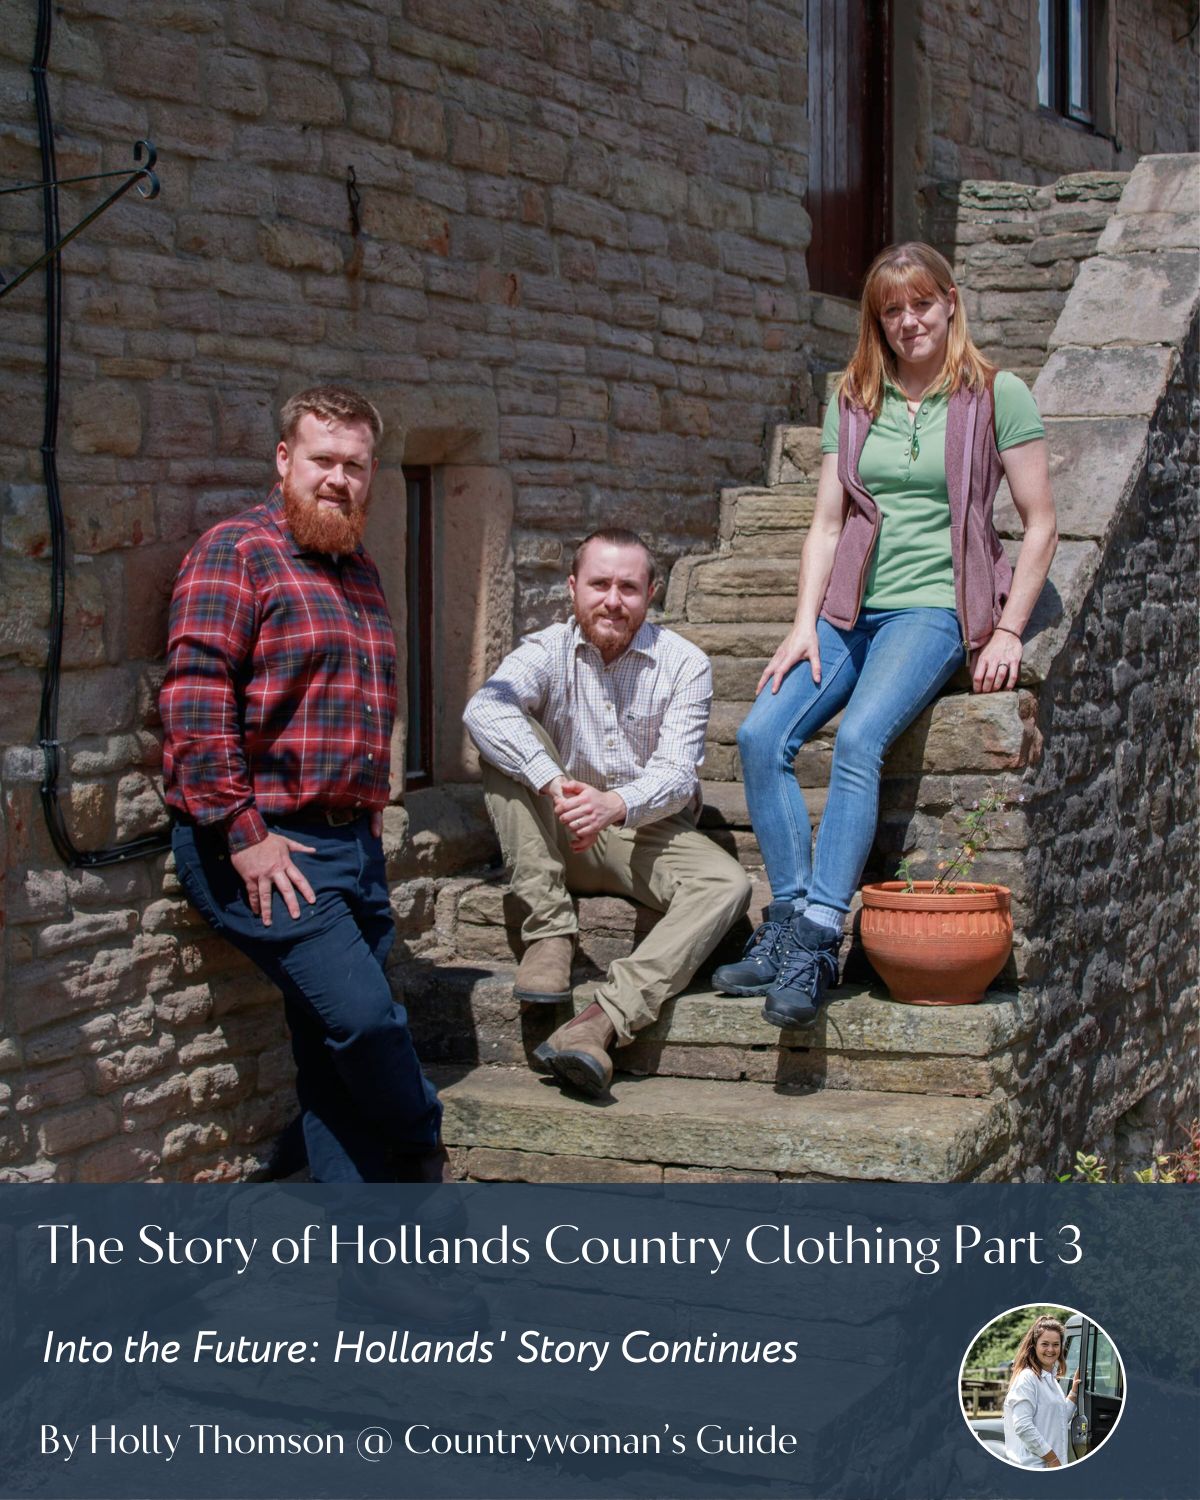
x=1042 y=1387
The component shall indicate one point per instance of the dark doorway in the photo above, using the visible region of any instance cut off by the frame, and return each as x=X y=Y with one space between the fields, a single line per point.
x=418 y=573
x=850 y=151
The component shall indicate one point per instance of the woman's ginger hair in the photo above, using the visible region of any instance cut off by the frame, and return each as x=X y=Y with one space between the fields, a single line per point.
x=1026 y=1355
x=911 y=269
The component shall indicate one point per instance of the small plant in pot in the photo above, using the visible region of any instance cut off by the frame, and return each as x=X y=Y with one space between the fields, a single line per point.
x=943 y=941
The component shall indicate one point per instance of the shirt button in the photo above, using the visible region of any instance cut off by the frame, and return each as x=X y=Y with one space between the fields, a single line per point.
x=365 y=662
x=370 y=710
x=370 y=756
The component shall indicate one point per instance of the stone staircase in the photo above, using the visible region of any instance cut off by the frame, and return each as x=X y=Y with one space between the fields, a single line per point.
x=875 y=1090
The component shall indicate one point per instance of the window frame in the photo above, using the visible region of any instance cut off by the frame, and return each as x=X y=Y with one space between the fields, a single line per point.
x=1057 y=32
x=418 y=626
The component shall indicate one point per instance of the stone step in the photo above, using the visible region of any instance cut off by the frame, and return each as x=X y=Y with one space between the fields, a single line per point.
x=731 y=638
x=771 y=523
x=726 y=1128
x=740 y=587
x=985 y=733
x=466 y=1014
x=795 y=455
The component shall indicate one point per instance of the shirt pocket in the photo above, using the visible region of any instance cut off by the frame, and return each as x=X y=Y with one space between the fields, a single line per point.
x=642 y=731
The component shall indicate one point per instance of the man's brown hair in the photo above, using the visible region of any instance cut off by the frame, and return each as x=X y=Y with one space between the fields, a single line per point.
x=615 y=536
x=332 y=403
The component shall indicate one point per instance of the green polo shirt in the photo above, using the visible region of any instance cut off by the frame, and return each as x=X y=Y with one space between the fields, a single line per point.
x=903 y=468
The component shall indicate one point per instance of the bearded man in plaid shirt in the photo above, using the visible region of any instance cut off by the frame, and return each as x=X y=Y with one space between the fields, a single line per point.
x=278 y=705
x=592 y=734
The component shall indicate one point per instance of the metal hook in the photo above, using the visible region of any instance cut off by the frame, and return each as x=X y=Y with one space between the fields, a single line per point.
x=354 y=198
x=147 y=185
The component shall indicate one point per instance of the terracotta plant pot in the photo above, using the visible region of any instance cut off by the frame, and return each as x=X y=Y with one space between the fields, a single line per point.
x=935 y=948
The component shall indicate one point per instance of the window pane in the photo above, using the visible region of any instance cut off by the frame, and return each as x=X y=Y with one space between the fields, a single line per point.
x=1079 y=60
x=1071 y=1354
x=1045 y=67
x=1106 y=1372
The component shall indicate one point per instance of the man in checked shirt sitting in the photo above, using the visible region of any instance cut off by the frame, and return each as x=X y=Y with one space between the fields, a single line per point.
x=592 y=734
x=278 y=706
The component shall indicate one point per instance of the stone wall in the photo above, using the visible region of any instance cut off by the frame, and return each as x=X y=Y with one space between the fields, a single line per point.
x=578 y=281
x=1016 y=250
x=1114 y=916
x=1112 y=807
x=972 y=93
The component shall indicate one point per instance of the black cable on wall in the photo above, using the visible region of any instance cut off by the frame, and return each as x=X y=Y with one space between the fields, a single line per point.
x=149 y=844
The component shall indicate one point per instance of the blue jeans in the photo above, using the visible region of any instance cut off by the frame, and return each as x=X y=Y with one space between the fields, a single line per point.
x=883 y=672
x=363 y=1096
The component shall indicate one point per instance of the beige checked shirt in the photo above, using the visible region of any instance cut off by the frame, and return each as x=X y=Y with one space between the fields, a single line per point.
x=635 y=727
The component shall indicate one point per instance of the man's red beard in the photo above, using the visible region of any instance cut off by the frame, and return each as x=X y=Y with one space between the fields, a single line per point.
x=320 y=529
x=613 y=645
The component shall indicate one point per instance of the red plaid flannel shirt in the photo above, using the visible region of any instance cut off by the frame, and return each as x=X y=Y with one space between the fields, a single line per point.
x=280 y=691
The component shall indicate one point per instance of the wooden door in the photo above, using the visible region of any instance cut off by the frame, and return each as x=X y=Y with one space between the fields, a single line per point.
x=850 y=150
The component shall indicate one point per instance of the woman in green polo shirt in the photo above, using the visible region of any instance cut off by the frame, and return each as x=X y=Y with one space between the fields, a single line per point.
x=901 y=576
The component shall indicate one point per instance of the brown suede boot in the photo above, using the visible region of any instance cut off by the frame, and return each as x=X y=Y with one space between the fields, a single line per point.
x=544 y=975
x=577 y=1053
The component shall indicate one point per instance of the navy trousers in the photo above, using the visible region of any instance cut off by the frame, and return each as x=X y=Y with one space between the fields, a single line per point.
x=364 y=1100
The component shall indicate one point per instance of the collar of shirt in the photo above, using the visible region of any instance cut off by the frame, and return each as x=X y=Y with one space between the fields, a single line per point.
x=890 y=388
x=645 y=643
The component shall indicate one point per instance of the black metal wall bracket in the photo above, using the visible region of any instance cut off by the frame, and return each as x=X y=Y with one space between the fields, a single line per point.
x=147 y=185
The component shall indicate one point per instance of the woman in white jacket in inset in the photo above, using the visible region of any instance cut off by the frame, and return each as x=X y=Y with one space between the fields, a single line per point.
x=1037 y=1416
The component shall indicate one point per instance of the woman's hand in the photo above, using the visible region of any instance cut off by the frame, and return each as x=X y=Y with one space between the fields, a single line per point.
x=800 y=644
x=998 y=663
x=1073 y=1393
x=1052 y=1460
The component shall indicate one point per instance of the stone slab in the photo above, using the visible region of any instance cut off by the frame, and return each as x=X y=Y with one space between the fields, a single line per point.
x=857 y=1019
x=795 y=455
x=1167 y=183
x=1119 y=382
x=832 y=1134
x=742 y=578
x=1094 y=463
x=1071 y=576
x=1131 y=299
x=967 y=732
x=792 y=1068
x=731 y=637
x=736 y=676
x=777 y=609
x=1163 y=231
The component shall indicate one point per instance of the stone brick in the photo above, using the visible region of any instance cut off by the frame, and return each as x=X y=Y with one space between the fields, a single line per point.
x=105 y=417
x=292 y=246
x=129 y=1159
x=69 y=1129
x=717 y=106
x=218 y=1085
x=304 y=96
x=236 y=83
x=95 y=702
x=650 y=186
x=85 y=929
x=782 y=221
x=589 y=218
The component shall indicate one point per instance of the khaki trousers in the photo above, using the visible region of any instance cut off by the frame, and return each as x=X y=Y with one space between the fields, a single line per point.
x=668 y=866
